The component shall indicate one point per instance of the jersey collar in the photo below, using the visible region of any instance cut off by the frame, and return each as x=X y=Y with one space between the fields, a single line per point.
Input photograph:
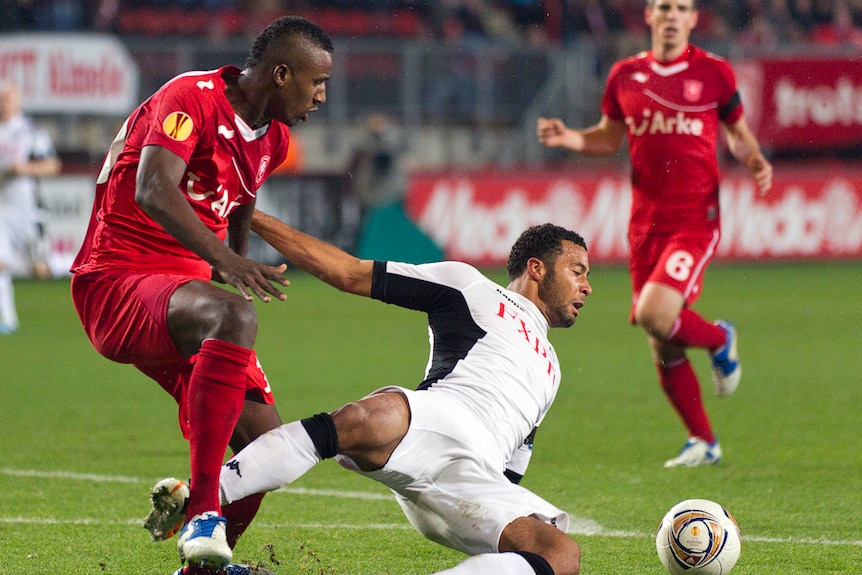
x=671 y=67
x=247 y=132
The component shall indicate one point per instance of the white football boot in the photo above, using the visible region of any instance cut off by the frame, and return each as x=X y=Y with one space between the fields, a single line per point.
x=169 y=498
x=696 y=452
x=726 y=370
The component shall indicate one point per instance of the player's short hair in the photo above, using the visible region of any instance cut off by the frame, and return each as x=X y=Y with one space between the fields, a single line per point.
x=291 y=27
x=651 y=3
x=545 y=242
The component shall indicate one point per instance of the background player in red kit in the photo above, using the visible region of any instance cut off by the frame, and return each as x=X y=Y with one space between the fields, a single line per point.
x=671 y=101
x=181 y=177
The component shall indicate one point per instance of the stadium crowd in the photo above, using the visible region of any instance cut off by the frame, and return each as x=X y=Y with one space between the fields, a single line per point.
x=752 y=23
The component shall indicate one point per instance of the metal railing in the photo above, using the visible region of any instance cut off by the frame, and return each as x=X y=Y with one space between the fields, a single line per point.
x=495 y=92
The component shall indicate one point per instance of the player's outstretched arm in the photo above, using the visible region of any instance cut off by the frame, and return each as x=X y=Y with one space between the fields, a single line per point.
x=322 y=260
x=603 y=139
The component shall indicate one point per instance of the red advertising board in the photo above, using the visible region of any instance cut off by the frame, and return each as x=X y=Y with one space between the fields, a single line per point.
x=70 y=73
x=803 y=104
x=812 y=212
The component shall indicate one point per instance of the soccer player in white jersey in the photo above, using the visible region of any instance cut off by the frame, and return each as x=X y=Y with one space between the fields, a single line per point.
x=26 y=153
x=463 y=438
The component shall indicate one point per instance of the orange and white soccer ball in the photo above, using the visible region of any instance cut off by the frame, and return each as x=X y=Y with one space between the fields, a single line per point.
x=698 y=537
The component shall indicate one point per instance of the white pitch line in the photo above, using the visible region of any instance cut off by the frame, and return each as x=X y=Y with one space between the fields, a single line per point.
x=573 y=530
x=577 y=526
x=70 y=475
x=123 y=479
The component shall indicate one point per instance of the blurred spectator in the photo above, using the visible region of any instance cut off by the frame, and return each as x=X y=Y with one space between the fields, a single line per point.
x=497 y=21
x=807 y=15
x=591 y=17
x=377 y=166
x=772 y=25
x=526 y=13
x=451 y=72
x=712 y=24
x=15 y=15
x=617 y=24
x=841 y=28
x=58 y=15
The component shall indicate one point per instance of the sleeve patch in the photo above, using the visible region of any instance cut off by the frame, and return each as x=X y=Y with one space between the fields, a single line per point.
x=178 y=126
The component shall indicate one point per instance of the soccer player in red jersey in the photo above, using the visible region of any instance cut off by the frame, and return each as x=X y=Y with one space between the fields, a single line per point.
x=670 y=101
x=179 y=180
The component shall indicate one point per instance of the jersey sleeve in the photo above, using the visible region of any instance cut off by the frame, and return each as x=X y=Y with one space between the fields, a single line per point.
x=730 y=104
x=516 y=468
x=177 y=120
x=433 y=287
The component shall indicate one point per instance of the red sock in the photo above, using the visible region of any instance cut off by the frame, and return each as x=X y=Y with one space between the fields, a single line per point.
x=691 y=330
x=239 y=515
x=216 y=394
x=682 y=389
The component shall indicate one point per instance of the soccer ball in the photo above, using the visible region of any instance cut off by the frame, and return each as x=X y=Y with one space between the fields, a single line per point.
x=698 y=536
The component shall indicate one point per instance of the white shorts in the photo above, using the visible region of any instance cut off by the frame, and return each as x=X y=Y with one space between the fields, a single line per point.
x=19 y=240
x=448 y=490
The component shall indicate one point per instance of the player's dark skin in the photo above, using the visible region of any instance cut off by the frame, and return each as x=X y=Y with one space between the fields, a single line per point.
x=287 y=85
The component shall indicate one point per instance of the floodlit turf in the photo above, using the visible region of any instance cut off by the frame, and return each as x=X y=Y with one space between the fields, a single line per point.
x=83 y=439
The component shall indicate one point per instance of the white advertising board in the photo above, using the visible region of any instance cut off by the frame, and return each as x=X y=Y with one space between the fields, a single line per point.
x=70 y=73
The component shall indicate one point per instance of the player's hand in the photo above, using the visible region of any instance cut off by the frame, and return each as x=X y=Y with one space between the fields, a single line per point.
x=551 y=131
x=252 y=278
x=761 y=169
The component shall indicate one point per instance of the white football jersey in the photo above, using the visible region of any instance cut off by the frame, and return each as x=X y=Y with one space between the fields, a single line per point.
x=21 y=141
x=489 y=346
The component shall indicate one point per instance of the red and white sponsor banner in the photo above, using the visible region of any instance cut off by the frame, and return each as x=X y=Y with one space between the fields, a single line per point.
x=813 y=212
x=796 y=104
x=70 y=73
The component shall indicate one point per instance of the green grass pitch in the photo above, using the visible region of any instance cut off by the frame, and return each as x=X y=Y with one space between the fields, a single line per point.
x=83 y=439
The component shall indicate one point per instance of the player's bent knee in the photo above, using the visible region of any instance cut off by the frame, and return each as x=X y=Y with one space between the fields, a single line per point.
x=653 y=323
x=198 y=311
x=234 y=321
x=369 y=429
x=532 y=536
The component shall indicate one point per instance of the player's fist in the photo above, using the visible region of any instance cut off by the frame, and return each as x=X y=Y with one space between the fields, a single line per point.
x=550 y=131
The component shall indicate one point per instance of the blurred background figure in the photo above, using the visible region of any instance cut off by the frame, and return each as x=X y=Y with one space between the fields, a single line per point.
x=377 y=166
x=26 y=153
x=378 y=176
x=294 y=162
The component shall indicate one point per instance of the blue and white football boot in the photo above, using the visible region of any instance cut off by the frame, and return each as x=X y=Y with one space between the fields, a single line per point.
x=203 y=541
x=726 y=370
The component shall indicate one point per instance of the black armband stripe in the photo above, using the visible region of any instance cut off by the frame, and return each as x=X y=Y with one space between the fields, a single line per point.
x=512 y=476
x=728 y=108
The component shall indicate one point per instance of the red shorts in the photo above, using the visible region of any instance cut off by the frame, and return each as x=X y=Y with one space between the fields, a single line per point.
x=124 y=314
x=675 y=260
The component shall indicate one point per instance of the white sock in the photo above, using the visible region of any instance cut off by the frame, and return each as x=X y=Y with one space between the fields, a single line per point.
x=273 y=460
x=491 y=564
x=8 y=315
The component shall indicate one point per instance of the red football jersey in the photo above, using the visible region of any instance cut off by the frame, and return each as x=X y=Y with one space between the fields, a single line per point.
x=673 y=110
x=227 y=162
